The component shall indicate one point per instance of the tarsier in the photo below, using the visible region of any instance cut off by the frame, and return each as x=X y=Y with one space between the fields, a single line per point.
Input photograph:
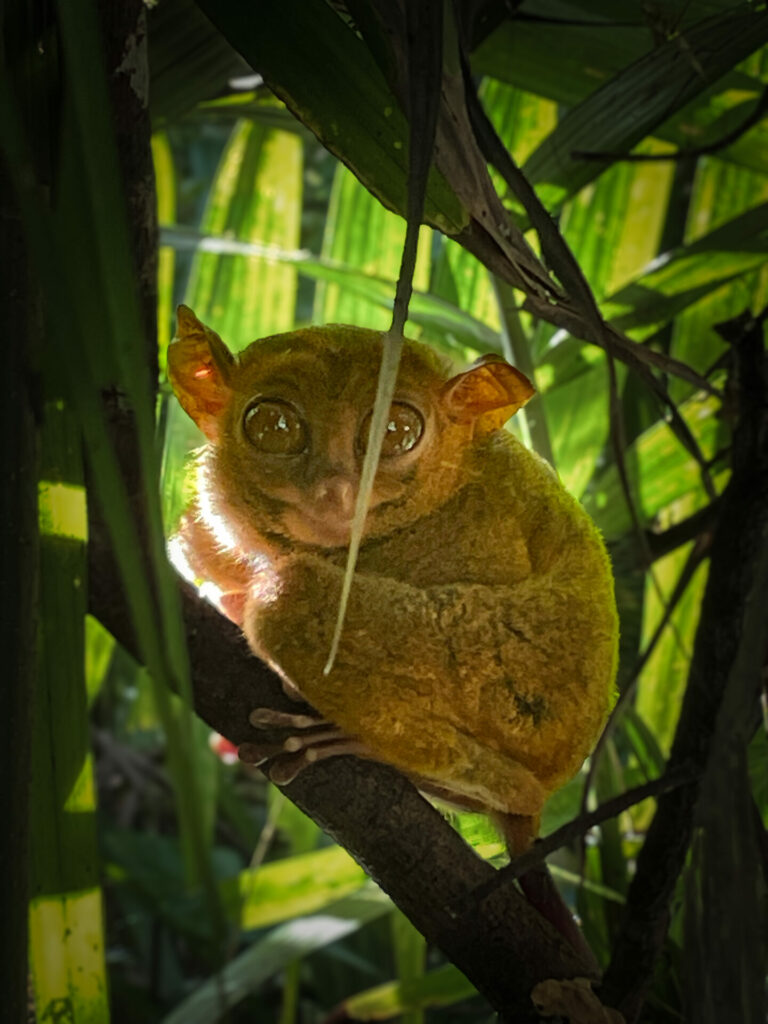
x=479 y=647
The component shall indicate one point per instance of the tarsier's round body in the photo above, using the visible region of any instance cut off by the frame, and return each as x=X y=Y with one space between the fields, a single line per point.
x=479 y=647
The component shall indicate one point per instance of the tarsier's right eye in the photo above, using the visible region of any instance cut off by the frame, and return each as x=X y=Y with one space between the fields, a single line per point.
x=405 y=425
x=275 y=427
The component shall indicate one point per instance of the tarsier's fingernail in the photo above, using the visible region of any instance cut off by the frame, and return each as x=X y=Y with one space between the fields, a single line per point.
x=281 y=775
x=293 y=743
x=250 y=753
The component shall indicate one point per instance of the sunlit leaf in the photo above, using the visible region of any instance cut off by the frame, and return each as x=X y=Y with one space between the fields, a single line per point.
x=255 y=197
x=664 y=472
x=99 y=647
x=592 y=48
x=691 y=273
x=290 y=887
x=641 y=97
x=442 y=987
x=662 y=682
x=368 y=241
x=165 y=184
x=440 y=318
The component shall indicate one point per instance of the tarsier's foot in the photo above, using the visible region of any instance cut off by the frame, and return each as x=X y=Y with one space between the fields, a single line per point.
x=316 y=740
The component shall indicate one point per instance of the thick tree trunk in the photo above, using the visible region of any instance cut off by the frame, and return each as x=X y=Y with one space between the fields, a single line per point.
x=18 y=586
x=19 y=552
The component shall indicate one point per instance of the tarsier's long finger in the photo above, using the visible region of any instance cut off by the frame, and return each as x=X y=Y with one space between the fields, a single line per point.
x=285 y=769
x=267 y=717
x=309 y=741
x=258 y=753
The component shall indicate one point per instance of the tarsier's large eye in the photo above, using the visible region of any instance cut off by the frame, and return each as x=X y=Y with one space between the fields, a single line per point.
x=404 y=429
x=275 y=427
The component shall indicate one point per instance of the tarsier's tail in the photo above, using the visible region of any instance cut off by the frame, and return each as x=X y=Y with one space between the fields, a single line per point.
x=520 y=832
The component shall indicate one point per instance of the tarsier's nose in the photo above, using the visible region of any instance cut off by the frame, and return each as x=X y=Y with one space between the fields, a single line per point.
x=336 y=495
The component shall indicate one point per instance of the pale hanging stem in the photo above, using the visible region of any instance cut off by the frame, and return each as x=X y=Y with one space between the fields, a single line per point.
x=390 y=360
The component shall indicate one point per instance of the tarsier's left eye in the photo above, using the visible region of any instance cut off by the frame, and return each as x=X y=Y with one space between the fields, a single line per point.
x=404 y=429
x=275 y=427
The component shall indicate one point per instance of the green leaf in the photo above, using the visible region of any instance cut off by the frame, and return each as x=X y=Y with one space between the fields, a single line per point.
x=728 y=213
x=99 y=647
x=255 y=197
x=640 y=98
x=254 y=898
x=442 y=987
x=592 y=48
x=614 y=226
x=577 y=425
x=588 y=54
x=691 y=273
x=189 y=60
x=645 y=744
x=663 y=679
x=563 y=805
x=165 y=185
x=293 y=44
x=291 y=887
x=410 y=950
x=365 y=242
x=279 y=948
x=664 y=471
x=442 y=320
x=610 y=780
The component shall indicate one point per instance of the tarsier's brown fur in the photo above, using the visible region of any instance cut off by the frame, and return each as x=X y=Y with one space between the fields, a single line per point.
x=479 y=647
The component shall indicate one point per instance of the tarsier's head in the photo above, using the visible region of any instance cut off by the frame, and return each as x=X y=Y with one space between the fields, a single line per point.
x=288 y=420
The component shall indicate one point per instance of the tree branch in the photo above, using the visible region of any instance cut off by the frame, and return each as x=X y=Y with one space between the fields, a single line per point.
x=576 y=828
x=661 y=544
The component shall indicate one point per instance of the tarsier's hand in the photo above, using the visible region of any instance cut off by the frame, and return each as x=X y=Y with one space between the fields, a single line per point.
x=312 y=739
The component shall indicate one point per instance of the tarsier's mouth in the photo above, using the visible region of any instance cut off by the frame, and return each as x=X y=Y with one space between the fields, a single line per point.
x=326 y=528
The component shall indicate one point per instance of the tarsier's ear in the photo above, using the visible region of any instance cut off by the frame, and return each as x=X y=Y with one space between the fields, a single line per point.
x=488 y=393
x=199 y=369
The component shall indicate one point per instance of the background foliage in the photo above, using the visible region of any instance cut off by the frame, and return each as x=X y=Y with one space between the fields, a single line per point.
x=261 y=229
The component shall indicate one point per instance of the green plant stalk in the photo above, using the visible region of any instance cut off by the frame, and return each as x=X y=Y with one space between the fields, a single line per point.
x=410 y=957
x=65 y=919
